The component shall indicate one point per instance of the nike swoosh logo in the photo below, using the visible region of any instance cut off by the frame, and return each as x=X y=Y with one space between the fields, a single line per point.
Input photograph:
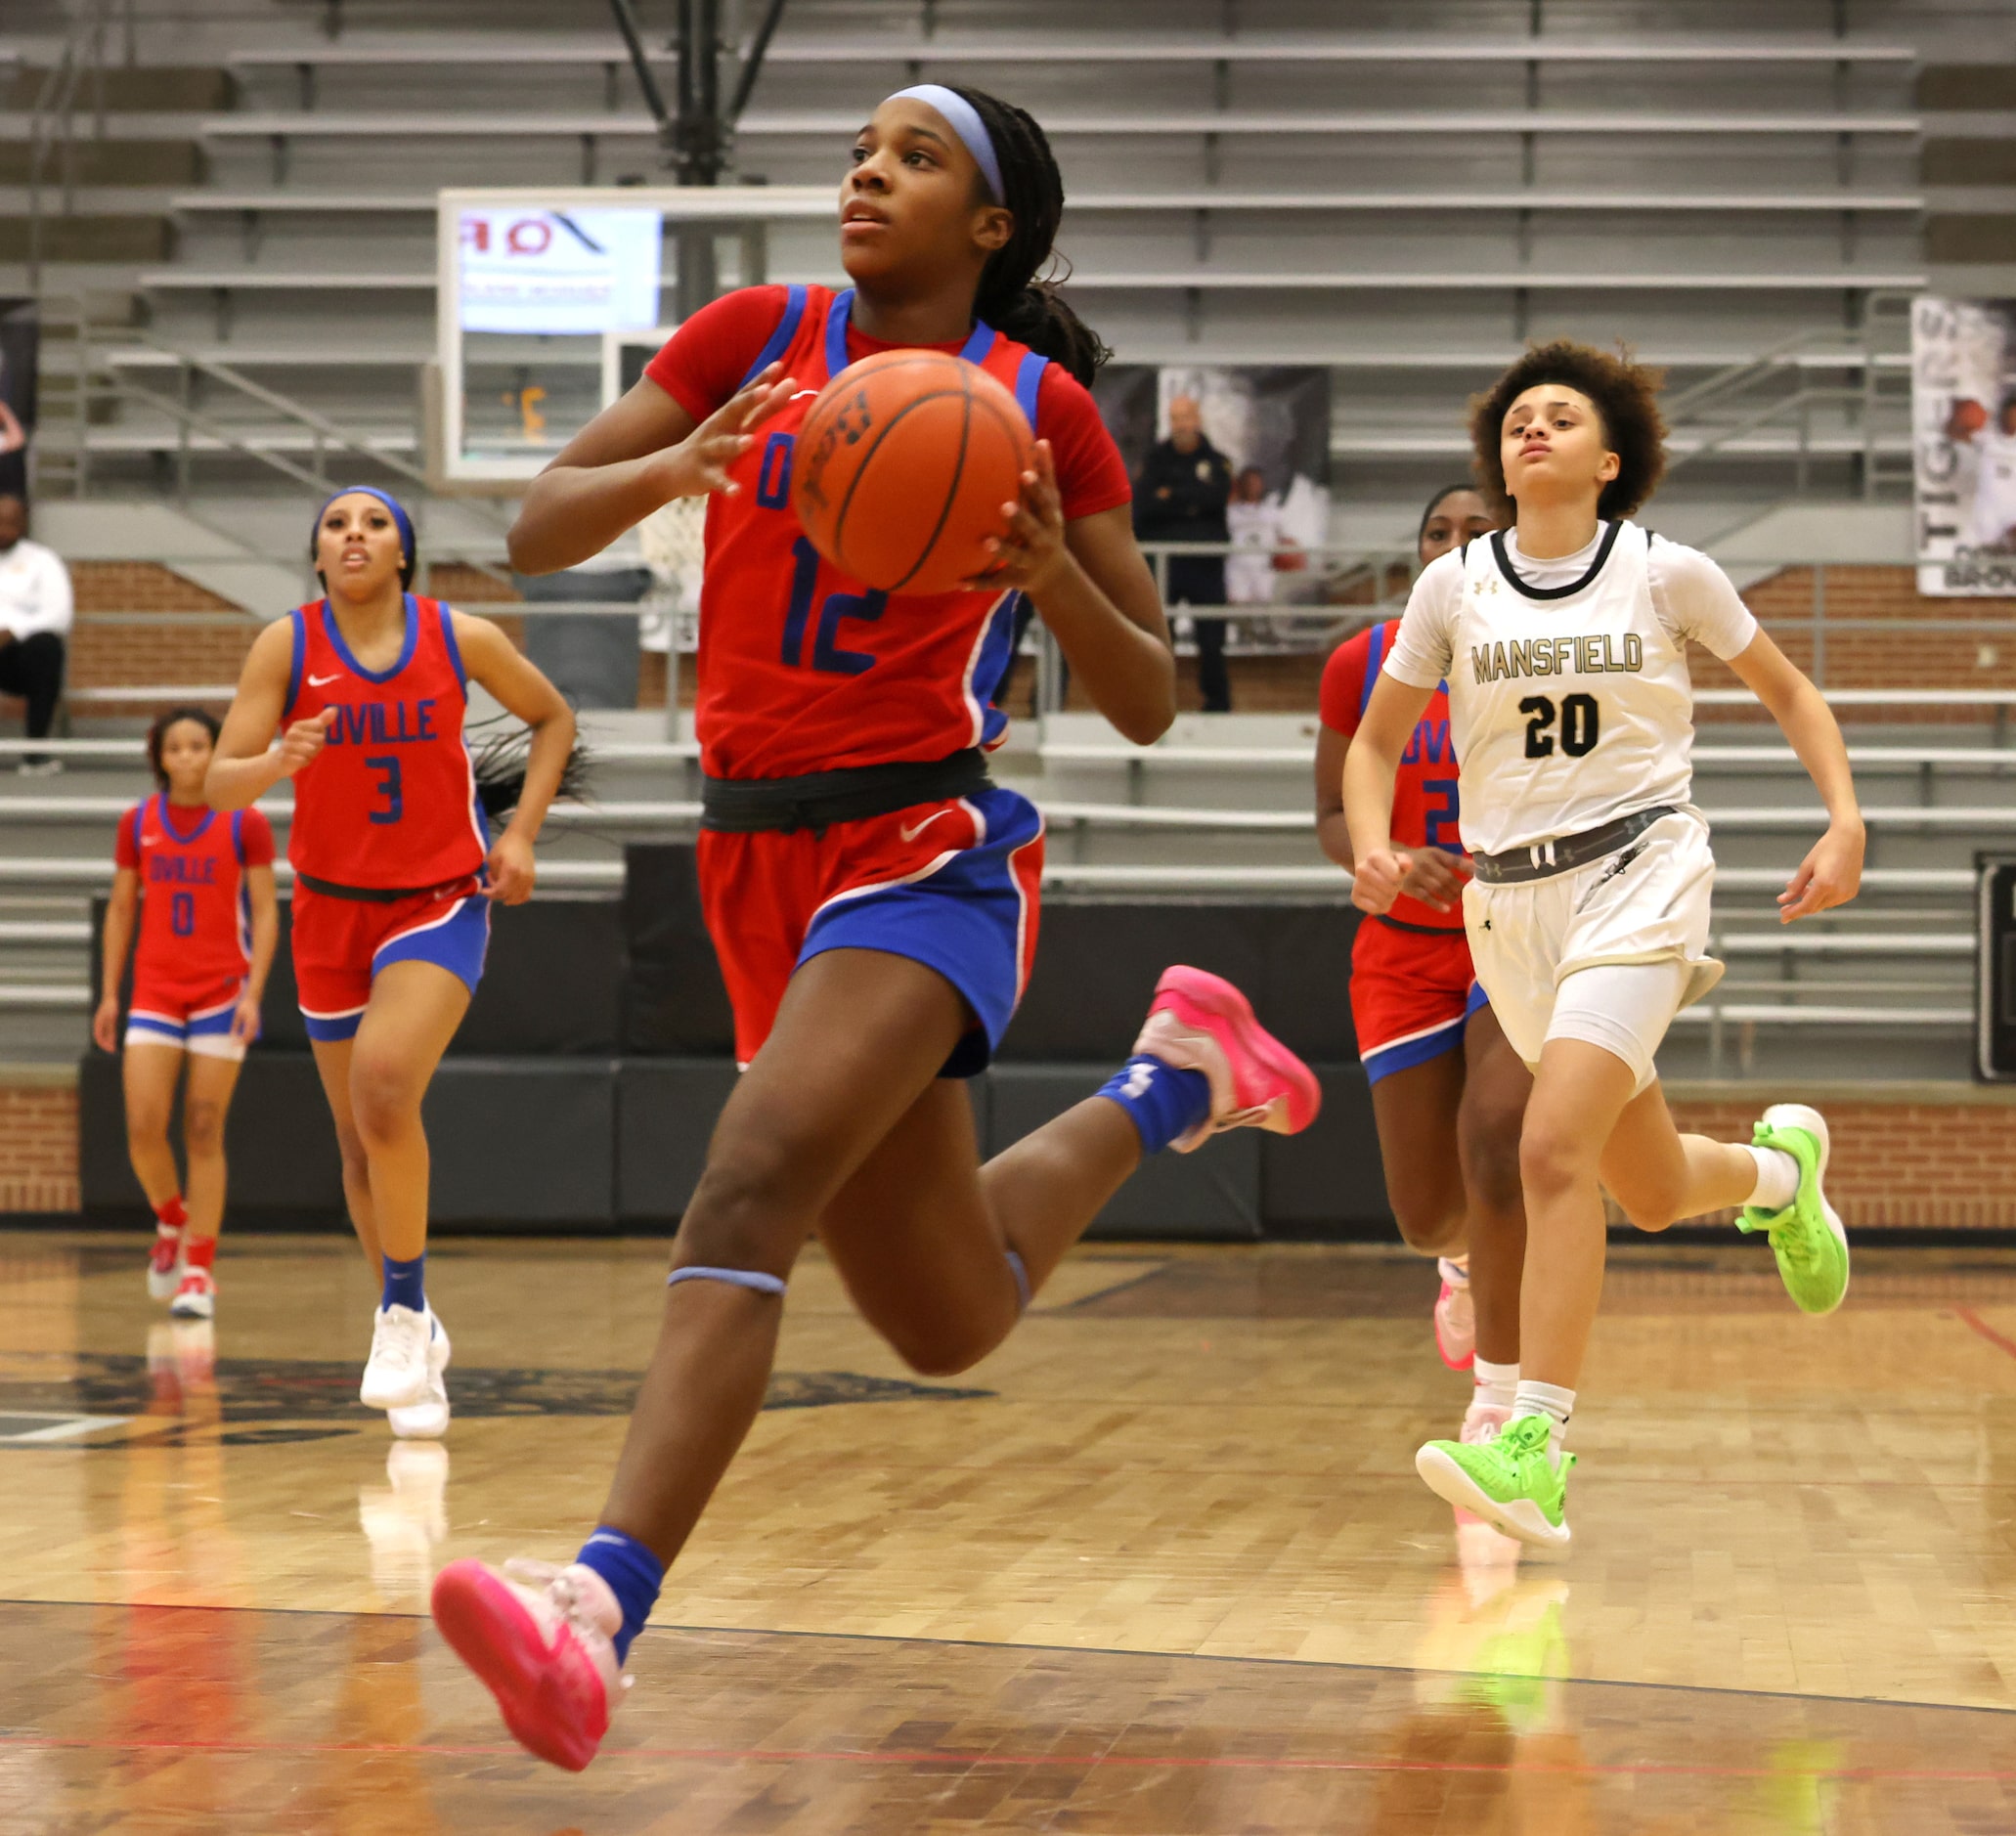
x=322 y=682
x=803 y=393
x=911 y=834
x=147 y=840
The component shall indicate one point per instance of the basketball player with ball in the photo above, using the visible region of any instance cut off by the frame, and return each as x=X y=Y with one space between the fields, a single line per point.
x=891 y=468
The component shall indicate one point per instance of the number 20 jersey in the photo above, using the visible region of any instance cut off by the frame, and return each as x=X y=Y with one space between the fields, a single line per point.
x=803 y=669
x=1569 y=705
x=390 y=800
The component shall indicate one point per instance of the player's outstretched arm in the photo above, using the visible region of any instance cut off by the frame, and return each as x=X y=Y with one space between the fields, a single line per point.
x=634 y=457
x=494 y=661
x=1370 y=768
x=247 y=763
x=1089 y=578
x=1831 y=872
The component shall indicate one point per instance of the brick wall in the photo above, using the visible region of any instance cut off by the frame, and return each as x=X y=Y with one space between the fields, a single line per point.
x=38 y=1147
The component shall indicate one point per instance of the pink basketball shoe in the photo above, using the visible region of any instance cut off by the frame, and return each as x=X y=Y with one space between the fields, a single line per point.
x=540 y=1639
x=1200 y=1021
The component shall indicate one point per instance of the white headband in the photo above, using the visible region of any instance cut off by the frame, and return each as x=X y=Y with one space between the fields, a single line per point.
x=966 y=123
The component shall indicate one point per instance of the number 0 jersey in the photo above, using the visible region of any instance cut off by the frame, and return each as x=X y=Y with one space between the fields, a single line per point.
x=1425 y=810
x=1569 y=704
x=803 y=669
x=195 y=921
x=390 y=800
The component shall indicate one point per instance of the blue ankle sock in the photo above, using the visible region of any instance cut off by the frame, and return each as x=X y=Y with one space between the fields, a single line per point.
x=633 y=1574
x=1160 y=1100
x=406 y=1283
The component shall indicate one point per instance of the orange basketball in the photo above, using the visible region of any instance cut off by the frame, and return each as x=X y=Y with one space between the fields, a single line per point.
x=1967 y=416
x=903 y=466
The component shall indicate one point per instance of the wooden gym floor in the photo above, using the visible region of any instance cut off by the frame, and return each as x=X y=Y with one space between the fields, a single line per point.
x=1160 y=1565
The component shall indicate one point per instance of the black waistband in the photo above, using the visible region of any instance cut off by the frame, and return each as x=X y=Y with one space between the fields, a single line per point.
x=373 y=895
x=821 y=799
x=1419 y=931
x=1543 y=859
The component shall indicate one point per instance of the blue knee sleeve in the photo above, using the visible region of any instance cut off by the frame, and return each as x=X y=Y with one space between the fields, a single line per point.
x=736 y=1278
x=1019 y=1270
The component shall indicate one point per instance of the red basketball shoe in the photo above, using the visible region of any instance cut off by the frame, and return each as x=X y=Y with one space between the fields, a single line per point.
x=540 y=1639
x=1200 y=1021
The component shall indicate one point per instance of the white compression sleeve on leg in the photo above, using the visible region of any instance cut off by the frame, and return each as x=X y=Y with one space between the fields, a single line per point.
x=1623 y=1007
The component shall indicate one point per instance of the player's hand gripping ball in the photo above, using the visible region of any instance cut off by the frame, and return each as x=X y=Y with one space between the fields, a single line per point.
x=903 y=466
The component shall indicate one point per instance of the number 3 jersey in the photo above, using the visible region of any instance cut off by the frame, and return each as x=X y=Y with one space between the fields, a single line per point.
x=1569 y=698
x=390 y=800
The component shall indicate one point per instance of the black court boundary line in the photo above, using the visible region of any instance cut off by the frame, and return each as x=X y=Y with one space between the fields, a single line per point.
x=1095 y=1651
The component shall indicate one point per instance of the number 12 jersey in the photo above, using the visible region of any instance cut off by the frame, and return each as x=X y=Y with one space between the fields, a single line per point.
x=1569 y=698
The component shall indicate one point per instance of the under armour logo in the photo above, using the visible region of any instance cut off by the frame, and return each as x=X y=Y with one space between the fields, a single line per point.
x=1139 y=1077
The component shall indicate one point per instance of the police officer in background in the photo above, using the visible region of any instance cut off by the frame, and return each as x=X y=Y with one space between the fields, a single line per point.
x=1181 y=496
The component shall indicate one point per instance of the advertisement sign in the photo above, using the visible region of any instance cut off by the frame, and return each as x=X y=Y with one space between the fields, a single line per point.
x=1963 y=444
x=556 y=273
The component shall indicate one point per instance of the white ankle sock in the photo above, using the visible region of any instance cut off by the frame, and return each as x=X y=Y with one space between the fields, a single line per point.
x=1455 y=1270
x=1778 y=1178
x=1552 y=1402
x=1496 y=1383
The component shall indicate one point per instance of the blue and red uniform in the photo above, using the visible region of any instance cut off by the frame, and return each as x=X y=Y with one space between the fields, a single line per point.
x=194 y=942
x=1413 y=985
x=804 y=670
x=388 y=837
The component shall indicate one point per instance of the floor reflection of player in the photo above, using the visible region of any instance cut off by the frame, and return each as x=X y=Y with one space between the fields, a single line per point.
x=181 y=1663
x=1490 y=1749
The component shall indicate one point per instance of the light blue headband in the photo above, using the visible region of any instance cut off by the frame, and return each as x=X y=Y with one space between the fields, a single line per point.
x=967 y=124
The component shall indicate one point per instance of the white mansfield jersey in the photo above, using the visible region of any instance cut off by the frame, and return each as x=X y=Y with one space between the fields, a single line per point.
x=1569 y=698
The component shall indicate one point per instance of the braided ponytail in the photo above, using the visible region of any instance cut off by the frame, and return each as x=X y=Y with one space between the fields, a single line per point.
x=1016 y=296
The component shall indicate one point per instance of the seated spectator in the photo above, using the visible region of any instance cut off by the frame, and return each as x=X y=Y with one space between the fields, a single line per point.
x=35 y=612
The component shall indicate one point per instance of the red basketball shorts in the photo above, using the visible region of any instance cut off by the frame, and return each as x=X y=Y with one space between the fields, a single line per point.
x=952 y=885
x=341 y=944
x=196 y=1019
x=1412 y=994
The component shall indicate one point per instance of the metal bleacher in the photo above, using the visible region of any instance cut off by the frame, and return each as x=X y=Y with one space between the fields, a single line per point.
x=1271 y=181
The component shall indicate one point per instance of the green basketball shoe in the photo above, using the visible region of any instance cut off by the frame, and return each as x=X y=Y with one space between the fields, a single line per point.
x=1509 y=1481
x=1806 y=1237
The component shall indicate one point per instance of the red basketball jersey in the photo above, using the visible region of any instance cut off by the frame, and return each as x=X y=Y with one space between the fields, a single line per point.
x=803 y=669
x=390 y=800
x=195 y=920
x=1425 y=810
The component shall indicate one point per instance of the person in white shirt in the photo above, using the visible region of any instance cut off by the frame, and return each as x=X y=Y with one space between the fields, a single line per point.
x=1563 y=640
x=35 y=611
x=1989 y=491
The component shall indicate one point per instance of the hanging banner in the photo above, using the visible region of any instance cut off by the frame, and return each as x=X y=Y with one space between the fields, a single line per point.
x=1963 y=444
x=1262 y=434
x=559 y=272
x=21 y=335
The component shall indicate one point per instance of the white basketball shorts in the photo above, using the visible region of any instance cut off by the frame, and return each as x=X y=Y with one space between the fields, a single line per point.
x=1648 y=903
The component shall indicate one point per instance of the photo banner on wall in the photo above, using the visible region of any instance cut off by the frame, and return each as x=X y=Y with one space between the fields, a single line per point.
x=20 y=336
x=1964 y=445
x=1272 y=425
